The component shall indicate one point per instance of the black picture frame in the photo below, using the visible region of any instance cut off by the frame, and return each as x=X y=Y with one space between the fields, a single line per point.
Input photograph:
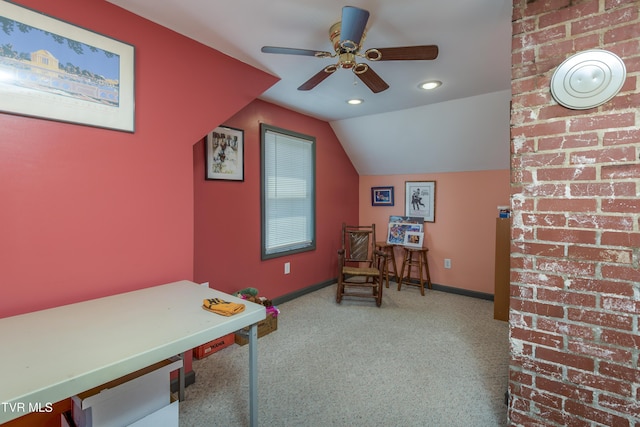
x=224 y=153
x=382 y=196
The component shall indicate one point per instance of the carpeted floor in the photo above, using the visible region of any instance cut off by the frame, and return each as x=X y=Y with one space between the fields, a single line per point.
x=433 y=360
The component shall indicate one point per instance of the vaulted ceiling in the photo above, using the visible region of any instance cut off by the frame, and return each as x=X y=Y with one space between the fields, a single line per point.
x=461 y=126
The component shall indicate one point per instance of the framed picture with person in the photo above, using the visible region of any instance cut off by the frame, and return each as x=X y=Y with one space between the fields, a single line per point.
x=381 y=196
x=420 y=199
x=224 y=152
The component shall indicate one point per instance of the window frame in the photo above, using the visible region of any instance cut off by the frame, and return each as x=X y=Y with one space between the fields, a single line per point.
x=264 y=129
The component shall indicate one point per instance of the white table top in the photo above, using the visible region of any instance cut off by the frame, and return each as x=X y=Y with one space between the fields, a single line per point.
x=50 y=355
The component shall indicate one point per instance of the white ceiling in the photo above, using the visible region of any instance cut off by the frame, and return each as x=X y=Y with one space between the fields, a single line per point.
x=461 y=126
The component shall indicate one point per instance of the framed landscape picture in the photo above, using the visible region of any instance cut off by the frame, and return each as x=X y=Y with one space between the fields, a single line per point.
x=55 y=70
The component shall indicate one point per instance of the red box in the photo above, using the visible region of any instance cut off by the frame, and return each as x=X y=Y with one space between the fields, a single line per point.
x=211 y=347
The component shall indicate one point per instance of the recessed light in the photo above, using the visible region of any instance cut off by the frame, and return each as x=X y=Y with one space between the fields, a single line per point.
x=355 y=101
x=430 y=85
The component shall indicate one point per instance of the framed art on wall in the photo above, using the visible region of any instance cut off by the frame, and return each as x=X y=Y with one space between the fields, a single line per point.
x=420 y=199
x=55 y=70
x=382 y=196
x=224 y=151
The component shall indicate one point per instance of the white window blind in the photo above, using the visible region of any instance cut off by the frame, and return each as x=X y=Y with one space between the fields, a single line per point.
x=288 y=193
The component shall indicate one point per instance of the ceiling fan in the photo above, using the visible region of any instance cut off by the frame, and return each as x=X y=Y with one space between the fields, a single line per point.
x=347 y=37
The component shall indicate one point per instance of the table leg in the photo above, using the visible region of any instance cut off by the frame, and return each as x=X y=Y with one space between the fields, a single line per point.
x=385 y=266
x=421 y=279
x=426 y=266
x=393 y=262
x=181 y=379
x=253 y=375
x=404 y=262
x=386 y=269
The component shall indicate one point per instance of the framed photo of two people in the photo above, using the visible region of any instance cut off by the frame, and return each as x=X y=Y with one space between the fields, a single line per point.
x=224 y=151
x=420 y=199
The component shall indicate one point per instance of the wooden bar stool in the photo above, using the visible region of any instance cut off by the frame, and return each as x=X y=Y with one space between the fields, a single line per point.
x=420 y=261
x=391 y=259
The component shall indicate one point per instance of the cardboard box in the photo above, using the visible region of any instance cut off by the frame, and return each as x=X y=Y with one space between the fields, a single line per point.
x=167 y=416
x=266 y=326
x=211 y=347
x=126 y=399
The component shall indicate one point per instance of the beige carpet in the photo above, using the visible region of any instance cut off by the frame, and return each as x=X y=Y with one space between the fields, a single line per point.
x=433 y=360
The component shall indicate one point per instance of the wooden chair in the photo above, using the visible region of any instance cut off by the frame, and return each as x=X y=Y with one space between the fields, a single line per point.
x=360 y=264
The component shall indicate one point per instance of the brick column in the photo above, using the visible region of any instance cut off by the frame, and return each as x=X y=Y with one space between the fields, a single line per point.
x=575 y=249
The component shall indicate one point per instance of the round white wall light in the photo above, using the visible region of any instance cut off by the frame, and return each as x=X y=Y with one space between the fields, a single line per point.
x=588 y=79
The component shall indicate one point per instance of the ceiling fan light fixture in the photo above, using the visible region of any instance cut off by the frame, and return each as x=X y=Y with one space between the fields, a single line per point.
x=360 y=68
x=373 y=54
x=355 y=101
x=431 y=84
x=330 y=68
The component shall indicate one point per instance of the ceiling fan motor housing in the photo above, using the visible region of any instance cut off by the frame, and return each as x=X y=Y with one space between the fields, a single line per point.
x=347 y=60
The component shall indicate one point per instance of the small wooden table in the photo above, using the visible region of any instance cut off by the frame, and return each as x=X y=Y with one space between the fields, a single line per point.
x=388 y=248
x=420 y=261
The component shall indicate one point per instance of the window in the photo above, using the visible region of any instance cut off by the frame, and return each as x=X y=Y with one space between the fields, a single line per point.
x=288 y=192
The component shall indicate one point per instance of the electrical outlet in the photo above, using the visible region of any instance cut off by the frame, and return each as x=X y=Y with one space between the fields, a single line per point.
x=447 y=263
x=287 y=268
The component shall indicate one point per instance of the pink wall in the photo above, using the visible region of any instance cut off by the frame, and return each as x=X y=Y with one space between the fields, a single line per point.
x=464 y=227
x=88 y=212
x=227 y=213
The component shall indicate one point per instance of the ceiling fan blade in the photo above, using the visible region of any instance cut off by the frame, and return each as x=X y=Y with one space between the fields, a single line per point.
x=293 y=51
x=372 y=80
x=354 y=21
x=318 y=78
x=405 y=53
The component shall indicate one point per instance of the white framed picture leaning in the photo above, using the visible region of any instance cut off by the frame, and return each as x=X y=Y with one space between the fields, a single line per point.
x=413 y=239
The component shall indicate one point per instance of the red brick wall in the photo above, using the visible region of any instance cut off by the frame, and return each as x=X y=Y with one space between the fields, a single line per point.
x=576 y=223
